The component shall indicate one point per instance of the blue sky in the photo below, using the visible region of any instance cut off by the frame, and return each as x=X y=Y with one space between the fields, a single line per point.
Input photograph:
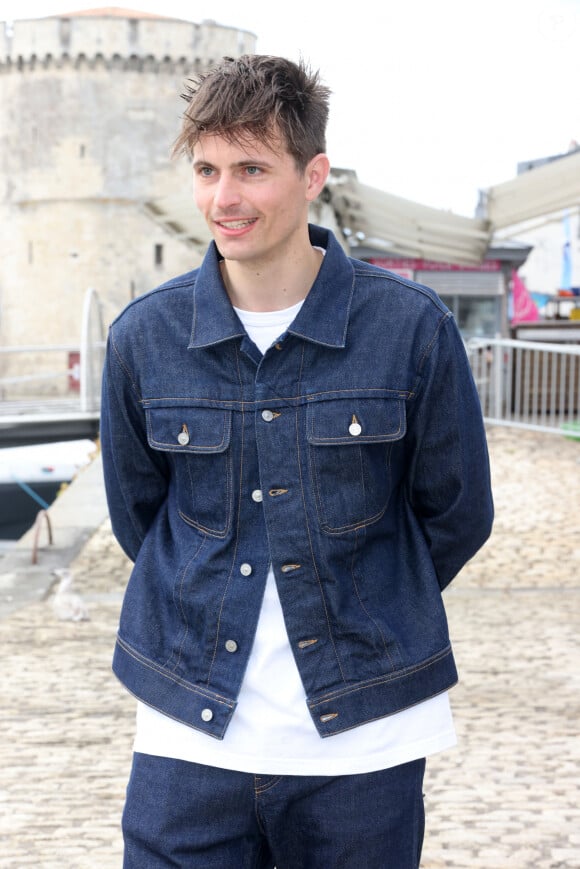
x=431 y=100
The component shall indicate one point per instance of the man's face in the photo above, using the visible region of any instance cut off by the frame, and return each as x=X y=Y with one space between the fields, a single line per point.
x=253 y=197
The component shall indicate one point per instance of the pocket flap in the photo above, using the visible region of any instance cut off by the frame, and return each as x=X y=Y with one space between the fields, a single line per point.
x=356 y=421
x=189 y=429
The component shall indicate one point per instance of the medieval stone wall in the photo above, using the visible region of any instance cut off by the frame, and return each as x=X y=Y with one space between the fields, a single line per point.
x=89 y=108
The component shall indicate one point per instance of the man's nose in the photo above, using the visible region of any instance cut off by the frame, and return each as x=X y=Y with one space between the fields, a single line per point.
x=226 y=193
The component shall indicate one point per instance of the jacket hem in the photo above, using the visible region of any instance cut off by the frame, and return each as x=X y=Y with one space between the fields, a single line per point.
x=337 y=711
x=192 y=704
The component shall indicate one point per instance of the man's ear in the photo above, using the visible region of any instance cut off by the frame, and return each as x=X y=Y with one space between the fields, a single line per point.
x=316 y=174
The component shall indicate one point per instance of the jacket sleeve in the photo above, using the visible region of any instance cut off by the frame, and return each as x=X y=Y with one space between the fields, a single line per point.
x=449 y=480
x=136 y=477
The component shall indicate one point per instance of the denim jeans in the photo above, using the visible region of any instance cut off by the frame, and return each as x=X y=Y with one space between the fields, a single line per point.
x=181 y=814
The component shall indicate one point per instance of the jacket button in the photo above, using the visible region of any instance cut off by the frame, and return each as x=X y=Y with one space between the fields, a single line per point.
x=267 y=415
x=355 y=429
x=245 y=569
x=231 y=646
x=257 y=496
x=183 y=437
x=206 y=715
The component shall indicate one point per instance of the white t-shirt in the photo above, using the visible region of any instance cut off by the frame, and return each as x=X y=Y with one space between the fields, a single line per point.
x=271 y=730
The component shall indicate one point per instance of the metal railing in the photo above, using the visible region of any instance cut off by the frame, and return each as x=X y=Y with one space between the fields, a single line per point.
x=28 y=392
x=528 y=384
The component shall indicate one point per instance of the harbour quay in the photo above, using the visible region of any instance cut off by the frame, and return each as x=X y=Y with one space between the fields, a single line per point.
x=507 y=797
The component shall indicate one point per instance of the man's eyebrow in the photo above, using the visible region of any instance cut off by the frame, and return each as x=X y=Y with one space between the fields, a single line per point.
x=253 y=161
x=239 y=164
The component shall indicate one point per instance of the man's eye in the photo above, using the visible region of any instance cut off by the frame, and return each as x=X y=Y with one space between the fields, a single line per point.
x=205 y=171
x=252 y=170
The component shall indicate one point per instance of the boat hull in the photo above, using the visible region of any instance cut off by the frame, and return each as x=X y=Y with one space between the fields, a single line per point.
x=18 y=509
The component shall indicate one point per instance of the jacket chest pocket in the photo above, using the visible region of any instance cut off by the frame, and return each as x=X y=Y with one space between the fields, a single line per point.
x=198 y=440
x=350 y=444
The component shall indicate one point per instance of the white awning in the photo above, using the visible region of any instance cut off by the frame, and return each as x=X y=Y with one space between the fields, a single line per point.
x=364 y=214
x=380 y=221
x=399 y=226
x=179 y=216
x=540 y=191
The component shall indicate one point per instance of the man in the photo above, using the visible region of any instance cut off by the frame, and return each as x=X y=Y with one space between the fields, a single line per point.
x=295 y=460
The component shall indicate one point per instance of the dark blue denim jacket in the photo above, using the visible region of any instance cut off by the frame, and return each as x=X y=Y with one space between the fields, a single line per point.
x=352 y=456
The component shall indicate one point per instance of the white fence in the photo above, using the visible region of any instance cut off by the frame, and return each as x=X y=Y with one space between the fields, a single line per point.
x=528 y=384
x=77 y=384
x=84 y=372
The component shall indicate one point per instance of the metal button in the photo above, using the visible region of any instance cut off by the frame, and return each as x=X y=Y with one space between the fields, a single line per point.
x=355 y=429
x=183 y=436
x=257 y=496
x=206 y=715
x=245 y=569
x=267 y=415
x=231 y=646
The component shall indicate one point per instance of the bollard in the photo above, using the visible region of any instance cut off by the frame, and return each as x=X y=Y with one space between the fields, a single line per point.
x=37 y=524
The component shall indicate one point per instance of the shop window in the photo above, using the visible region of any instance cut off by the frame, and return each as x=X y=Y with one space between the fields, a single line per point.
x=476 y=316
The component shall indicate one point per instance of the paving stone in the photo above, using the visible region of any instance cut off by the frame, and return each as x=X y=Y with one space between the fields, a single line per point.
x=508 y=797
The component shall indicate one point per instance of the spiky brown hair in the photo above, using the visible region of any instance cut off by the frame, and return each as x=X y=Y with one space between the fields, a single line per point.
x=257 y=97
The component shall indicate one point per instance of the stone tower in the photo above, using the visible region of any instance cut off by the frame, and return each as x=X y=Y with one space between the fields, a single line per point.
x=89 y=108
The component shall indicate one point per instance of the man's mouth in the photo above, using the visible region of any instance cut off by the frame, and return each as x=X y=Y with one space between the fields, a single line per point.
x=236 y=224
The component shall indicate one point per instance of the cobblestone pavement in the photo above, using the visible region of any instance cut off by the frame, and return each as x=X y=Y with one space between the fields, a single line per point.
x=507 y=797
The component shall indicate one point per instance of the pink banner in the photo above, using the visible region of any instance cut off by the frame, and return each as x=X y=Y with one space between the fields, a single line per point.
x=525 y=310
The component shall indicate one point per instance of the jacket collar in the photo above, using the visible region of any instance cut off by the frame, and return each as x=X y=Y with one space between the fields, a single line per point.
x=322 y=319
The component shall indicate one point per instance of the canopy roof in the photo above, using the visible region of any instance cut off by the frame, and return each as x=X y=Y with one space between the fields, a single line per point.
x=382 y=221
x=399 y=226
x=395 y=226
x=543 y=190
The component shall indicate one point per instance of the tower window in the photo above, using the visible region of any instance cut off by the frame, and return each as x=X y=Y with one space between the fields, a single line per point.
x=65 y=31
x=158 y=255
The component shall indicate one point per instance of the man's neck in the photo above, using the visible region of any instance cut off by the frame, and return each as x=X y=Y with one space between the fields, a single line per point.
x=271 y=286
